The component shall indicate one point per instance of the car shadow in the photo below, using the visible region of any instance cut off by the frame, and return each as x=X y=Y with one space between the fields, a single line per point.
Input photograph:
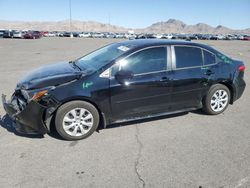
x=7 y=123
x=132 y=122
x=53 y=132
x=199 y=112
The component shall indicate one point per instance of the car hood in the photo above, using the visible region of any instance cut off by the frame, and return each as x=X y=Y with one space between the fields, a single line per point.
x=51 y=75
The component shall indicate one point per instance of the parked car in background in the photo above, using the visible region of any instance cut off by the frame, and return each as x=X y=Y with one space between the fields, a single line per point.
x=109 y=35
x=75 y=34
x=214 y=37
x=246 y=37
x=158 y=36
x=206 y=37
x=119 y=35
x=146 y=36
x=45 y=33
x=97 y=35
x=167 y=36
x=18 y=34
x=1 y=33
x=84 y=35
x=240 y=37
x=192 y=37
x=130 y=36
x=125 y=81
x=140 y=36
x=32 y=35
x=217 y=37
x=67 y=34
x=52 y=34
x=59 y=34
x=8 y=34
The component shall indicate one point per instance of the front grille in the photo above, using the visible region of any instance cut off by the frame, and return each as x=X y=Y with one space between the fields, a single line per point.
x=18 y=100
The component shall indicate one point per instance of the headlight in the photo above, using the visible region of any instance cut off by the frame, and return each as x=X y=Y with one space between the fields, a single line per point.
x=36 y=94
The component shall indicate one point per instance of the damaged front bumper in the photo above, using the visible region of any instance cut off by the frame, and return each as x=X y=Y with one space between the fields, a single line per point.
x=29 y=117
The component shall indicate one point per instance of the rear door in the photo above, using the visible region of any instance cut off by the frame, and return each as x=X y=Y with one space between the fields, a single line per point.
x=148 y=91
x=187 y=72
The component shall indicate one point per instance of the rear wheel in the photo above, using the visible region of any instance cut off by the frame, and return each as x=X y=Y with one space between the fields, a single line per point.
x=216 y=100
x=76 y=120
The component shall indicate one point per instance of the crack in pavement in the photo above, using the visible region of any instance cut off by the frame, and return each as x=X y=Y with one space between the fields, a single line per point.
x=242 y=182
x=138 y=157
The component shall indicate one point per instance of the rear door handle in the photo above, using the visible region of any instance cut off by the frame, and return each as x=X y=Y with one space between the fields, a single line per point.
x=209 y=72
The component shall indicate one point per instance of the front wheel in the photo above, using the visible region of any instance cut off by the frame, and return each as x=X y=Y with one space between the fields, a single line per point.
x=76 y=120
x=216 y=100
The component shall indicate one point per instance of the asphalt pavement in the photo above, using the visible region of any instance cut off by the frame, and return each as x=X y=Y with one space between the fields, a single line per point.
x=183 y=150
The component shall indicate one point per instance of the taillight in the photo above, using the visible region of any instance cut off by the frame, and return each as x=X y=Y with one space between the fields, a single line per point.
x=242 y=68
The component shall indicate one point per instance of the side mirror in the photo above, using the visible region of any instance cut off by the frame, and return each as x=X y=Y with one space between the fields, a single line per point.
x=122 y=76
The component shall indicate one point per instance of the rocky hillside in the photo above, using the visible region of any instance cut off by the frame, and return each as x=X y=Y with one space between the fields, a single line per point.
x=176 y=26
x=170 y=26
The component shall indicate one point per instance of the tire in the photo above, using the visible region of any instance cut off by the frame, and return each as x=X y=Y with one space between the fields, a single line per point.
x=76 y=120
x=218 y=96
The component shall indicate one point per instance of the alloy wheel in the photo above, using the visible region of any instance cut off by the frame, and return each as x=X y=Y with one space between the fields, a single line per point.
x=78 y=122
x=219 y=100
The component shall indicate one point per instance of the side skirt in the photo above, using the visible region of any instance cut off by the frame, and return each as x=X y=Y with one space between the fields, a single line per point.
x=155 y=115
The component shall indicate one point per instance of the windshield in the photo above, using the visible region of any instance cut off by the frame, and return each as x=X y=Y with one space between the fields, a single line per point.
x=101 y=57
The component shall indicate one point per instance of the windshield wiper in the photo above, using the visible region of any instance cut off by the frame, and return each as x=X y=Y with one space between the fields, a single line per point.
x=75 y=65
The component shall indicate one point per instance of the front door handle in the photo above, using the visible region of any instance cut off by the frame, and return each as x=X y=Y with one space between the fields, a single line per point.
x=164 y=79
x=209 y=72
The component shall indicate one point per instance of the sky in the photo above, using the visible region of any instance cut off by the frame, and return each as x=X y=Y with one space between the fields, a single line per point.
x=234 y=14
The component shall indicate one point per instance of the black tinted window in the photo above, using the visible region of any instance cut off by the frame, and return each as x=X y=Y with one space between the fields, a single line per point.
x=149 y=60
x=188 y=56
x=209 y=58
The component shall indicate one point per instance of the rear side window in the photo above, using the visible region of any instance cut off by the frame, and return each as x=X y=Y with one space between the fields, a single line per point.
x=209 y=58
x=188 y=56
x=145 y=61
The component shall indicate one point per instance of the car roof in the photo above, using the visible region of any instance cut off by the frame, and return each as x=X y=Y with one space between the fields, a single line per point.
x=142 y=43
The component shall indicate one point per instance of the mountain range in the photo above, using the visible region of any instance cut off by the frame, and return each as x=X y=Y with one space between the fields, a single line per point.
x=170 y=26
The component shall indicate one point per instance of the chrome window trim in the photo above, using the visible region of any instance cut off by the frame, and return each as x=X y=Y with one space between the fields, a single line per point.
x=203 y=49
x=141 y=74
x=153 y=72
x=173 y=58
x=169 y=56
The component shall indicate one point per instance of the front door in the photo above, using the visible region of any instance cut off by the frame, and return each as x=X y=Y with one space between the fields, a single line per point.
x=148 y=91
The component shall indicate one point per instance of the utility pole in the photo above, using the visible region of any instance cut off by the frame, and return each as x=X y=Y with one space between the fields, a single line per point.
x=70 y=20
x=109 y=22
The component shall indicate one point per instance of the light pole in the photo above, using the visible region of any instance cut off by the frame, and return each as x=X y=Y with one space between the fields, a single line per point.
x=109 y=23
x=70 y=20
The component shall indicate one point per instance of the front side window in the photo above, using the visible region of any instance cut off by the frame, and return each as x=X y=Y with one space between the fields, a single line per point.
x=188 y=56
x=209 y=58
x=145 y=61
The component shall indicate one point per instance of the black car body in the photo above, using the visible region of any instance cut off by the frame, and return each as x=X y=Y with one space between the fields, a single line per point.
x=126 y=81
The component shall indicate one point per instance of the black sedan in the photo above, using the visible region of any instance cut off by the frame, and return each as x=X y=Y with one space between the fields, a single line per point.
x=122 y=82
